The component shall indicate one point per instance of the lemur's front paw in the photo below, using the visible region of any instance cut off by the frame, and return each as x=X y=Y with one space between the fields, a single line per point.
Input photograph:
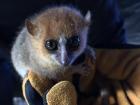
x=63 y=93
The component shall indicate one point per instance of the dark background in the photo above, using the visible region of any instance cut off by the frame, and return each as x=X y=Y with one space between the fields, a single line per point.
x=12 y=16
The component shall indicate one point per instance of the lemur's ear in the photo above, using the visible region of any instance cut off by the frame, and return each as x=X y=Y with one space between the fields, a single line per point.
x=88 y=17
x=32 y=28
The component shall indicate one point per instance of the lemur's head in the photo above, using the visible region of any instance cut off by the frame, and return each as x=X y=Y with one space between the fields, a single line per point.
x=59 y=34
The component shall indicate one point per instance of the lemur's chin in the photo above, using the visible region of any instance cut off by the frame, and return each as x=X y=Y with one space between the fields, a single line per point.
x=65 y=65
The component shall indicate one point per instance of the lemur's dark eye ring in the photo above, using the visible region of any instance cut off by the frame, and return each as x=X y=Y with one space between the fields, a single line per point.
x=73 y=43
x=51 y=45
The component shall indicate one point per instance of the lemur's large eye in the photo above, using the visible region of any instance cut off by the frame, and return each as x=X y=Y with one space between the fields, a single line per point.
x=51 y=45
x=73 y=43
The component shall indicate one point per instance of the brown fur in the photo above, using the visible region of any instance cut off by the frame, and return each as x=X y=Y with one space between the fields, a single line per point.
x=60 y=20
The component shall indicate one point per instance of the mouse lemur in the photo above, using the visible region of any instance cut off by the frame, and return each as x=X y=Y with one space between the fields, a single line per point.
x=51 y=41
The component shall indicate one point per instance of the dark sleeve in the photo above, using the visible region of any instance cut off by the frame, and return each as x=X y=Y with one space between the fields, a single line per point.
x=107 y=22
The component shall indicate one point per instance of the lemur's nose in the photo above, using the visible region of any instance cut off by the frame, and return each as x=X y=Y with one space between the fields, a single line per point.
x=64 y=59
